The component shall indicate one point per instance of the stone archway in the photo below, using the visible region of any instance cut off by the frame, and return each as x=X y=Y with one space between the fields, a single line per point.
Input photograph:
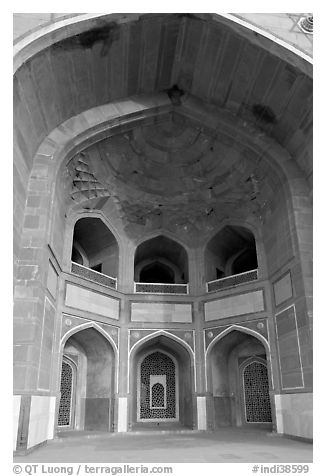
x=240 y=395
x=162 y=383
x=92 y=359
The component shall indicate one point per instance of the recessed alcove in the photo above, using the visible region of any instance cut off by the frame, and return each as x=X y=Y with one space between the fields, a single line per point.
x=161 y=260
x=95 y=246
x=231 y=251
x=238 y=381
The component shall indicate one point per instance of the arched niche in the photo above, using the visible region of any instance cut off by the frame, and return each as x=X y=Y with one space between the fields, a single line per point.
x=93 y=359
x=95 y=246
x=232 y=250
x=161 y=258
x=179 y=357
x=227 y=359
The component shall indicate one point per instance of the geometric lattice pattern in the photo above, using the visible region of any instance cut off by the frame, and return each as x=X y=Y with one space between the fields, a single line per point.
x=158 y=393
x=256 y=392
x=157 y=364
x=93 y=275
x=66 y=394
x=234 y=280
x=161 y=288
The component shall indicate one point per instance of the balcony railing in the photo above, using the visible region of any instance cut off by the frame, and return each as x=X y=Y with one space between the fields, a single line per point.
x=93 y=276
x=161 y=288
x=230 y=281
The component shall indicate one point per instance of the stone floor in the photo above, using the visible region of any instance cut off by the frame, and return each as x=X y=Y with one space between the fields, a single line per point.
x=224 y=446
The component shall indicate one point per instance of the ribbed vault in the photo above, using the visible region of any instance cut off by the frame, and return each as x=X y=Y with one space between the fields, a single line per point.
x=206 y=56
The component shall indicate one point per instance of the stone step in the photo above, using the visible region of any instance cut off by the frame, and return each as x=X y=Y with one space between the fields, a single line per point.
x=63 y=436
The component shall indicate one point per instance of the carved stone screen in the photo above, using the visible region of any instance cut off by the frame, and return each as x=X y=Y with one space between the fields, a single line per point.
x=64 y=416
x=157 y=397
x=157 y=392
x=256 y=393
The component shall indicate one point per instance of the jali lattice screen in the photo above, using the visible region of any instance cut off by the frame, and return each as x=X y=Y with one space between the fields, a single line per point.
x=64 y=416
x=256 y=393
x=156 y=364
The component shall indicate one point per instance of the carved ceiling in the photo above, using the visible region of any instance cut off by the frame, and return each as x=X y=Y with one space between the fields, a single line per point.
x=173 y=175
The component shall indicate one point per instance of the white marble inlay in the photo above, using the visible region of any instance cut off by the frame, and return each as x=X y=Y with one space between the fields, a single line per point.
x=87 y=300
x=122 y=414
x=237 y=305
x=160 y=312
x=201 y=413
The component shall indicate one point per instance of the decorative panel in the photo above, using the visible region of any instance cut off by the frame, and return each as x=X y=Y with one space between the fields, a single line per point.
x=230 y=281
x=289 y=349
x=256 y=393
x=64 y=415
x=157 y=388
x=91 y=301
x=161 y=288
x=283 y=289
x=160 y=312
x=234 y=305
x=94 y=276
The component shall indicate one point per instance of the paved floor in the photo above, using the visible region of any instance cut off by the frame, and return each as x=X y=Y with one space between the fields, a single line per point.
x=224 y=446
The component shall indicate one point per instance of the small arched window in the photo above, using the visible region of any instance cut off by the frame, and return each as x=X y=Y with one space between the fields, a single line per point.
x=158 y=396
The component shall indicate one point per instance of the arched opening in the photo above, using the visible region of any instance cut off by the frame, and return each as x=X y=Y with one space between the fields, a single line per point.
x=95 y=246
x=87 y=390
x=238 y=381
x=231 y=251
x=161 y=260
x=156 y=272
x=246 y=261
x=157 y=393
x=162 y=384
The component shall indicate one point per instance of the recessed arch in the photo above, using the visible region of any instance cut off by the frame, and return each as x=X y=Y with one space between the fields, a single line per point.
x=98 y=243
x=45 y=35
x=95 y=356
x=160 y=380
x=158 y=270
x=68 y=144
x=158 y=333
x=224 y=249
x=167 y=250
x=227 y=357
x=245 y=330
x=88 y=325
x=183 y=358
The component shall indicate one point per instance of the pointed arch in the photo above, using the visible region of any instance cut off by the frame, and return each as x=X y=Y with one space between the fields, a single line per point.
x=135 y=347
x=157 y=333
x=244 y=330
x=88 y=325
